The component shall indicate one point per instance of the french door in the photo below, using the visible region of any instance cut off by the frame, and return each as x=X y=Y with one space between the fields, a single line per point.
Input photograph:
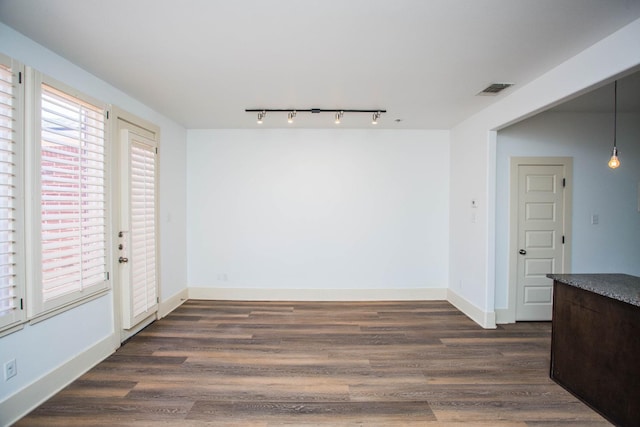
x=137 y=238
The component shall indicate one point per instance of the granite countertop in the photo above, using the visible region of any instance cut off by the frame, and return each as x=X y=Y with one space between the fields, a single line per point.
x=621 y=287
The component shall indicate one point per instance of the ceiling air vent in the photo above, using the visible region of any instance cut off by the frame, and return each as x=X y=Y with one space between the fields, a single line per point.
x=494 y=88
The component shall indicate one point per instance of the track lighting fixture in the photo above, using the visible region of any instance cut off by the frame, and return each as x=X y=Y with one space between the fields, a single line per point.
x=614 y=162
x=292 y=112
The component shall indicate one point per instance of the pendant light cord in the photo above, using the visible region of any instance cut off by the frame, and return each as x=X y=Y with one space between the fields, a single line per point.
x=615 y=111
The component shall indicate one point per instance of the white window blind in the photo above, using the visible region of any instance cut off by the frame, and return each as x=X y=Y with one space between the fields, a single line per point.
x=143 y=228
x=73 y=195
x=9 y=294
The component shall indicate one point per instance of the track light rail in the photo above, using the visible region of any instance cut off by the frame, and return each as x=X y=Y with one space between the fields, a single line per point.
x=292 y=112
x=309 y=110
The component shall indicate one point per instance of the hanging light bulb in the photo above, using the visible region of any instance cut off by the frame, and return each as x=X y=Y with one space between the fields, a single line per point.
x=614 y=162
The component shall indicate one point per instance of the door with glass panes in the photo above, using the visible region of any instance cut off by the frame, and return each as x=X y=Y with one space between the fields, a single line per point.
x=137 y=237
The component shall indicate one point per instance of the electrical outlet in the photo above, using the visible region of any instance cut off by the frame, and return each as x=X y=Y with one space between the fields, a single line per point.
x=10 y=369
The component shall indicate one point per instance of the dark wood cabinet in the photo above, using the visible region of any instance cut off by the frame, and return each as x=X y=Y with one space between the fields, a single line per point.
x=595 y=343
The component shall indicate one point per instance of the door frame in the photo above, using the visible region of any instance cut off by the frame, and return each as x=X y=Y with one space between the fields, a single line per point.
x=122 y=120
x=516 y=162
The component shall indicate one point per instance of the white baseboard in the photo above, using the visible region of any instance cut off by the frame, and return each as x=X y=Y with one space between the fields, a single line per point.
x=504 y=315
x=24 y=401
x=173 y=302
x=485 y=319
x=246 y=294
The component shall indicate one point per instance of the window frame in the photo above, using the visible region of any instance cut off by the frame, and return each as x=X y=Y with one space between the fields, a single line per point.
x=37 y=307
x=14 y=321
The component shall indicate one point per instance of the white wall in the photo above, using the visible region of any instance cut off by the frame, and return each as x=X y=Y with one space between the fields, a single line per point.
x=173 y=208
x=473 y=173
x=611 y=246
x=317 y=209
x=42 y=349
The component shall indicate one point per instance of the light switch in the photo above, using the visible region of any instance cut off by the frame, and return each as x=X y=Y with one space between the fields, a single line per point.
x=595 y=219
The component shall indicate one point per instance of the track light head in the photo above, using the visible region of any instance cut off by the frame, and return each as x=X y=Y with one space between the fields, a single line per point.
x=339 y=115
x=261 y=115
x=290 y=116
x=376 y=116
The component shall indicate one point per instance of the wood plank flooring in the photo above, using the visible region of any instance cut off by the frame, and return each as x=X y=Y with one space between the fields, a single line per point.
x=266 y=364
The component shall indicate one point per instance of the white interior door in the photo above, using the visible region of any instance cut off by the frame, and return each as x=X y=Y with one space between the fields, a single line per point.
x=138 y=235
x=540 y=238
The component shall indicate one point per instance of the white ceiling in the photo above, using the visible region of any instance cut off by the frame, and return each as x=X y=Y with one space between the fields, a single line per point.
x=202 y=62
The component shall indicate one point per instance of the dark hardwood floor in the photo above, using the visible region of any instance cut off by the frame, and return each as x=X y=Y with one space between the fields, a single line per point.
x=339 y=364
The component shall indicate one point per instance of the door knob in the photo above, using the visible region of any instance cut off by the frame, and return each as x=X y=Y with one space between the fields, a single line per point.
x=123 y=259
x=522 y=252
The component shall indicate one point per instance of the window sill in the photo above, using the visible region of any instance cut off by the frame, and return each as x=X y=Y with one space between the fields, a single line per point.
x=58 y=310
x=11 y=329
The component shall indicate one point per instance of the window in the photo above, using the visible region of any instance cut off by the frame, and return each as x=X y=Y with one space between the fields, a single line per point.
x=54 y=248
x=72 y=217
x=11 y=288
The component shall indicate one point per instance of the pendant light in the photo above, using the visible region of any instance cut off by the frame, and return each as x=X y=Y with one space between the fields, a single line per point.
x=614 y=162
